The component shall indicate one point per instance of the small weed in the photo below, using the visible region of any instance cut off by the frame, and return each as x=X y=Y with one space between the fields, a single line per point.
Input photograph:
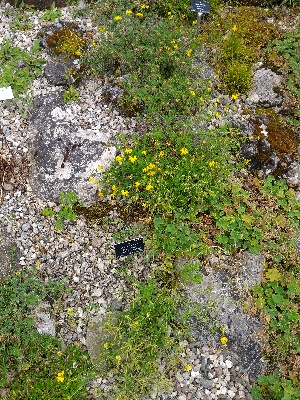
x=52 y=13
x=71 y=94
x=67 y=202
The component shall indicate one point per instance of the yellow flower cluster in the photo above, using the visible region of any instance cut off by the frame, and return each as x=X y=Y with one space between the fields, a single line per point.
x=60 y=376
x=224 y=340
x=183 y=151
x=189 y=52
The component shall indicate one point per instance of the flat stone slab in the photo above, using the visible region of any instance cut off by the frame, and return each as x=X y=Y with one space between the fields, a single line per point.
x=62 y=153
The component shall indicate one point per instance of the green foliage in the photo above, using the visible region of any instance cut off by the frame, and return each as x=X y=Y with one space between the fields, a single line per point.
x=71 y=94
x=288 y=48
x=18 y=68
x=280 y=303
x=30 y=363
x=67 y=202
x=52 y=13
x=134 y=339
x=276 y=388
x=152 y=58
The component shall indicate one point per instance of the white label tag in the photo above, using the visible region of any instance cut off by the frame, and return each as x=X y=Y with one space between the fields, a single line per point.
x=6 y=93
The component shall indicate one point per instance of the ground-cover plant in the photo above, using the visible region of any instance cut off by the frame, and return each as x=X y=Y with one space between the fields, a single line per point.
x=176 y=176
x=18 y=68
x=236 y=37
x=67 y=203
x=275 y=387
x=151 y=53
x=288 y=49
x=32 y=366
x=134 y=341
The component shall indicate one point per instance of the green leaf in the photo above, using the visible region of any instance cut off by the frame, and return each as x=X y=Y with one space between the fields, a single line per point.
x=273 y=274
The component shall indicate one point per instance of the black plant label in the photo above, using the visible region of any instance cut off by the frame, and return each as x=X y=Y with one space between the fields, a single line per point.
x=200 y=7
x=129 y=247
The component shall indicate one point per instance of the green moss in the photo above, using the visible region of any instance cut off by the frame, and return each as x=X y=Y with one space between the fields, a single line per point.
x=66 y=41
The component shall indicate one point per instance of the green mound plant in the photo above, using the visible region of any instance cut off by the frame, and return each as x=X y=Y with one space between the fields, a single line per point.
x=33 y=366
x=18 y=68
x=148 y=58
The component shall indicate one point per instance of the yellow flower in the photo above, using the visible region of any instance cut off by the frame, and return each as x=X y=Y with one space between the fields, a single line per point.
x=234 y=96
x=91 y=179
x=102 y=29
x=132 y=159
x=59 y=353
x=217 y=115
x=124 y=192
x=192 y=93
x=139 y=14
x=70 y=312
x=194 y=22
x=60 y=376
x=183 y=151
x=105 y=345
x=224 y=340
x=212 y=163
x=114 y=188
x=119 y=159
x=188 y=368
x=208 y=89
x=224 y=38
x=78 y=53
x=144 y=153
x=149 y=187
x=169 y=13
x=93 y=43
x=144 y=204
x=251 y=137
x=128 y=151
x=136 y=322
x=168 y=48
x=128 y=12
x=117 y=18
x=189 y=52
x=234 y=28
x=18 y=273
x=144 y=6
x=176 y=47
x=161 y=154
x=118 y=358
x=100 y=193
x=151 y=173
x=137 y=185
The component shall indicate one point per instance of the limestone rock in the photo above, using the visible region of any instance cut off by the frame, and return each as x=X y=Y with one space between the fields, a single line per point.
x=62 y=153
x=263 y=91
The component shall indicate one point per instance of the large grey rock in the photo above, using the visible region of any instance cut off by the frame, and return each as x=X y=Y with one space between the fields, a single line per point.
x=62 y=153
x=264 y=87
x=219 y=297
